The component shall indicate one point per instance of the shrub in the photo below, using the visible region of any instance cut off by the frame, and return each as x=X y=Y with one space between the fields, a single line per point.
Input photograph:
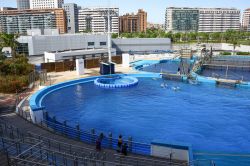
x=13 y=84
x=243 y=53
x=225 y=53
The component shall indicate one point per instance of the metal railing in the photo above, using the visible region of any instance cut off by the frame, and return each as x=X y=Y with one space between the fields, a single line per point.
x=91 y=136
x=62 y=152
x=30 y=150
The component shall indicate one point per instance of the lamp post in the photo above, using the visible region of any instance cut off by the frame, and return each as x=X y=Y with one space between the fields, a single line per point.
x=109 y=13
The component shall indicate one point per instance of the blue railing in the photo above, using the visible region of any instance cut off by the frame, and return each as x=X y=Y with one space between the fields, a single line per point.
x=91 y=136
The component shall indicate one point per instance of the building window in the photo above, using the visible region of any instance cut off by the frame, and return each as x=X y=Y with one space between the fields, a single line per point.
x=103 y=43
x=91 y=43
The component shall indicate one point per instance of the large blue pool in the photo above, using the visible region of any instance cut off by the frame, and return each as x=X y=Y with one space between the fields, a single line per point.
x=215 y=121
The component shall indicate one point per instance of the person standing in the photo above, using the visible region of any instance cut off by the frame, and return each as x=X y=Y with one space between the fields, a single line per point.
x=119 y=143
x=125 y=149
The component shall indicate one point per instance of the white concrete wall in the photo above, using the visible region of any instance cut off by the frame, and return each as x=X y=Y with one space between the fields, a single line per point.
x=36 y=116
x=49 y=57
x=215 y=46
x=39 y=44
x=125 y=60
x=163 y=151
x=79 y=67
x=241 y=48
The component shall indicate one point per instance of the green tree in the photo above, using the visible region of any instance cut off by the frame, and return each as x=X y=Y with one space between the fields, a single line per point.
x=114 y=35
x=9 y=40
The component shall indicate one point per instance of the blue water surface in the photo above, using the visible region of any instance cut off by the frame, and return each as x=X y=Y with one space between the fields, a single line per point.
x=213 y=120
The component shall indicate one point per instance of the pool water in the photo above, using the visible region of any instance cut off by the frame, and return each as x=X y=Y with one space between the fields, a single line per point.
x=167 y=66
x=211 y=119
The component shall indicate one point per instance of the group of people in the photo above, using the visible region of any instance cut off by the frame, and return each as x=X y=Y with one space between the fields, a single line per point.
x=121 y=147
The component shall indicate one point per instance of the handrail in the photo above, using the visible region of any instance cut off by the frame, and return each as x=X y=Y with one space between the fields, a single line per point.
x=61 y=143
x=90 y=136
x=27 y=161
x=160 y=160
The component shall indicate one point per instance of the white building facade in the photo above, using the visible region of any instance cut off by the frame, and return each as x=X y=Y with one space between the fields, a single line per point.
x=218 y=19
x=96 y=19
x=202 y=19
x=44 y=4
x=246 y=20
x=38 y=44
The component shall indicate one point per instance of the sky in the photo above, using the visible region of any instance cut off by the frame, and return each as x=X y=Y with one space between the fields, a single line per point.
x=154 y=8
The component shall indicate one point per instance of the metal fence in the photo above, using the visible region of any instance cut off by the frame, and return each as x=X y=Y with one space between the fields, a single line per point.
x=90 y=136
x=34 y=149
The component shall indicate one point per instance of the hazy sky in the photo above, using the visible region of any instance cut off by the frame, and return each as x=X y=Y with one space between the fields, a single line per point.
x=155 y=8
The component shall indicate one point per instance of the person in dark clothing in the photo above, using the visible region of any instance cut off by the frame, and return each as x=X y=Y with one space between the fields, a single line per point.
x=125 y=149
x=179 y=70
x=119 y=143
x=98 y=144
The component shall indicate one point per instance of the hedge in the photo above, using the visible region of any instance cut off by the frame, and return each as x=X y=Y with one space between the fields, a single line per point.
x=225 y=53
x=13 y=84
x=243 y=53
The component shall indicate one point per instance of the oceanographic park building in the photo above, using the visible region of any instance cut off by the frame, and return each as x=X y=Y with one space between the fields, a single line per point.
x=83 y=45
x=202 y=19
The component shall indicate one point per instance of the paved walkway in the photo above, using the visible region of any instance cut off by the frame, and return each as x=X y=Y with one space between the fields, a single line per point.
x=7 y=103
x=57 y=77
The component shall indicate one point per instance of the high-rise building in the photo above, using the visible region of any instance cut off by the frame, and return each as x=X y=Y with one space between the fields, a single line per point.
x=218 y=19
x=133 y=23
x=246 y=20
x=44 y=4
x=202 y=19
x=96 y=19
x=72 y=17
x=23 y=4
x=19 y=21
x=181 y=19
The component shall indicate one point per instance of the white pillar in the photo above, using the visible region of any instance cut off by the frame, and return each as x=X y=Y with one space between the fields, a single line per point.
x=125 y=60
x=79 y=66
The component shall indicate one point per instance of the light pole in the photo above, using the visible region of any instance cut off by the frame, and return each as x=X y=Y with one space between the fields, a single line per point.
x=109 y=13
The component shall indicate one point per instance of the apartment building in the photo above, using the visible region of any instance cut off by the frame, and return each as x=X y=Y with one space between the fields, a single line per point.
x=72 y=17
x=202 y=19
x=181 y=19
x=96 y=19
x=19 y=21
x=44 y=4
x=218 y=19
x=246 y=20
x=133 y=22
x=23 y=4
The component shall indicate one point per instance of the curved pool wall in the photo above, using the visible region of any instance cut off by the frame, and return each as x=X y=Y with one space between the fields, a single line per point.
x=36 y=99
x=138 y=65
x=111 y=83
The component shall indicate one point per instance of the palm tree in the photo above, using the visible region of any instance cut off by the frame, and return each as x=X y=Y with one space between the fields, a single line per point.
x=9 y=40
x=235 y=43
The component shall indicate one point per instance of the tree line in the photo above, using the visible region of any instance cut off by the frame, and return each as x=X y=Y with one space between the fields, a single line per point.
x=230 y=36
